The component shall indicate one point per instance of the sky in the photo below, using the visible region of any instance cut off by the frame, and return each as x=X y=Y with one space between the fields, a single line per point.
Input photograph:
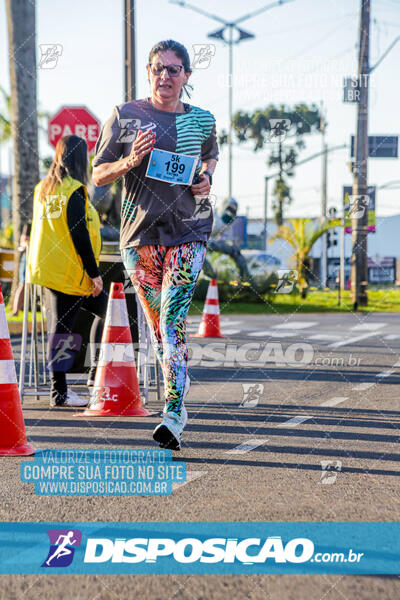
x=300 y=53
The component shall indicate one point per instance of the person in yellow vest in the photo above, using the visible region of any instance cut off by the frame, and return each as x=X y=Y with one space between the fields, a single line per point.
x=64 y=250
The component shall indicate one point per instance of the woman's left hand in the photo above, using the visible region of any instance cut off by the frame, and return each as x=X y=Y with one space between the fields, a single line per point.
x=202 y=188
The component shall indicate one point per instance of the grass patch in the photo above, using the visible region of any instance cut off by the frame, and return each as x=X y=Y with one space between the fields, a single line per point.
x=383 y=300
x=20 y=317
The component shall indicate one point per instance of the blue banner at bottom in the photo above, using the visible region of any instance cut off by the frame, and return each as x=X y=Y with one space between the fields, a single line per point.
x=203 y=548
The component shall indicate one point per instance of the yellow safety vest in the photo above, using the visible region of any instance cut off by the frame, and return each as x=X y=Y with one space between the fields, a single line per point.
x=53 y=261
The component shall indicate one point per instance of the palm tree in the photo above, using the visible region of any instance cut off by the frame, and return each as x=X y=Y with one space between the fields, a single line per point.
x=302 y=234
x=5 y=119
x=23 y=105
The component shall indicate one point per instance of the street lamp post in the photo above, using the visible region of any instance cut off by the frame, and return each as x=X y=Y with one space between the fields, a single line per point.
x=230 y=41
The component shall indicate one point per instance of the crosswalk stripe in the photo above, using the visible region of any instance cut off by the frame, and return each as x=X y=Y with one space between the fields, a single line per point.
x=351 y=340
x=387 y=373
x=365 y=385
x=246 y=446
x=295 y=421
x=296 y=325
x=325 y=337
x=334 y=401
x=190 y=476
x=270 y=333
x=374 y=326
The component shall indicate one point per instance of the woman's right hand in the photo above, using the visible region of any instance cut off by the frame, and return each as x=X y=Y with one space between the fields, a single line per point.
x=97 y=285
x=143 y=144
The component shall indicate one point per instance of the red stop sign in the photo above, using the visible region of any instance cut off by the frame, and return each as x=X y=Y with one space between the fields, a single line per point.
x=74 y=120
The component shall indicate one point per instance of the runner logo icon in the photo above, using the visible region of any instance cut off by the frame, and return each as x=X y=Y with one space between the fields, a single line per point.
x=62 y=547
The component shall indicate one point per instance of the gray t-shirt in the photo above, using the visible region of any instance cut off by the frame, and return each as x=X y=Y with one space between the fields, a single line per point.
x=156 y=212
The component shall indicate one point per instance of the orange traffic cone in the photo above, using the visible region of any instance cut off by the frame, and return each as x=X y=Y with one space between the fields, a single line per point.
x=210 y=326
x=116 y=389
x=13 y=437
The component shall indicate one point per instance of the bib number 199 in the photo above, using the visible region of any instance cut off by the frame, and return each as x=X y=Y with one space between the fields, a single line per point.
x=174 y=165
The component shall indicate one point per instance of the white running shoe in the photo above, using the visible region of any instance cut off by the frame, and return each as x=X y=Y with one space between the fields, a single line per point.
x=74 y=400
x=169 y=432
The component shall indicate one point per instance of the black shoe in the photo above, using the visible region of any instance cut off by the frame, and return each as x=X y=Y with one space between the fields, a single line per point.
x=165 y=438
x=57 y=402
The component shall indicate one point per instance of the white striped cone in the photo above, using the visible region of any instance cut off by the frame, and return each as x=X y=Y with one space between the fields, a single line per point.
x=210 y=325
x=116 y=389
x=13 y=437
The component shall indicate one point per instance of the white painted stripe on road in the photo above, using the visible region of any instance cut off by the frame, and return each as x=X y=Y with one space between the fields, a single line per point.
x=230 y=331
x=351 y=340
x=396 y=365
x=296 y=325
x=228 y=322
x=247 y=446
x=190 y=476
x=295 y=421
x=392 y=336
x=371 y=326
x=387 y=373
x=325 y=337
x=335 y=401
x=365 y=385
x=269 y=333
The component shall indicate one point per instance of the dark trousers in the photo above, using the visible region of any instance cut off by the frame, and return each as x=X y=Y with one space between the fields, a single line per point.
x=63 y=342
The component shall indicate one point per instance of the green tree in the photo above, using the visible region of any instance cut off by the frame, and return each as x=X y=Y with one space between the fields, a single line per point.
x=282 y=129
x=5 y=117
x=302 y=234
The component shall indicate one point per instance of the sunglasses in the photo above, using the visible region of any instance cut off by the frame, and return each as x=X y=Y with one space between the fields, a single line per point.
x=173 y=70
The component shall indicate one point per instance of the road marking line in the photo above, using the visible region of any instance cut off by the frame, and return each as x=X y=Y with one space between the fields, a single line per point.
x=228 y=322
x=363 y=386
x=280 y=334
x=387 y=373
x=334 y=401
x=328 y=337
x=374 y=326
x=351 y=340
x=230 y=331
x=392 y=336
x=246 y=446
x=296 y=325
x=295 y=421
x=190 y=476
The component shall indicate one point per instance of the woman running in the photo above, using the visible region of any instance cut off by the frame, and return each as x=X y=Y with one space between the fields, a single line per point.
x=165 y=224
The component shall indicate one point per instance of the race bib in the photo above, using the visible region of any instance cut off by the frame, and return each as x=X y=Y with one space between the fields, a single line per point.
x=171 y=167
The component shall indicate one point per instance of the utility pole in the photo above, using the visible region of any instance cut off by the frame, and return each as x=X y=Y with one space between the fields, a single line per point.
x=265 y=213
x=359 y=262
x=324 y=254
x=230 y=43
x=130 y=55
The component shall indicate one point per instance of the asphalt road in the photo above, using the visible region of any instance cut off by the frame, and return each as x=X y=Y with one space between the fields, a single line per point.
x=291 y=418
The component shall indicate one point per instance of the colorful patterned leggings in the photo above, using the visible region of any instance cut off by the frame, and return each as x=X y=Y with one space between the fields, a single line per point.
x=164 y=278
